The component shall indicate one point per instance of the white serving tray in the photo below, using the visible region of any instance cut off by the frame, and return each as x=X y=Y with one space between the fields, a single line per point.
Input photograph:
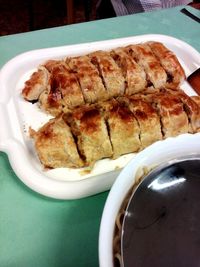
x=17 y=115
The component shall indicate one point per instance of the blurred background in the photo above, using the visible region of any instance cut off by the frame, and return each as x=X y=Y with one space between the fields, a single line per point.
x=22 y=16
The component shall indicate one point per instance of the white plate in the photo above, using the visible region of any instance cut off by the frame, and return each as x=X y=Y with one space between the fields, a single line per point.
x=17 y=115
x=158 y=153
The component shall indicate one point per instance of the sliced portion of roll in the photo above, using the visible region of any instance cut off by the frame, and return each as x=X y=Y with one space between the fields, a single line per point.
x=151 y=65
x=87 y=74
x=89 y=127
x=135 y=77
x=37 y=83
x=110 y=73
x=55 y=145
x=123 y=128
x=169 y=62
x=148 y=120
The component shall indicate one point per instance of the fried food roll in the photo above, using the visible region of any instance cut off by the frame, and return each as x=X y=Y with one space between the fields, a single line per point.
x=148 y=120
x=122 y=125
x=192 y=109
x=173 y=118
x=89 y=127
x=91 y=84
x=135 y=77
x=37 y=83
x=64 y=90
x=51 y=99
x=110 y=73
x=55 y=145
x=169 y=62
x=146 y=59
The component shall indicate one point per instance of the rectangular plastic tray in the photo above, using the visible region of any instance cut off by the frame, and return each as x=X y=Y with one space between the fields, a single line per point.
x=17 y=115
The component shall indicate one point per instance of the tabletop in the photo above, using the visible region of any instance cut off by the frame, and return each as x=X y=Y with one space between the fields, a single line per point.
x=39 y=231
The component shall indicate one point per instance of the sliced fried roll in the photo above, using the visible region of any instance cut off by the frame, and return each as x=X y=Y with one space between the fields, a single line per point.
x=169 y=62
x=148 y=119
x=55 y=145
x=51 y=102
x=51 y=99
x=110 y=73
x=173 y=117
x=134 y=75
x=145 y=58
x=91 y=84
x=64 y=80
x=37 y=83
x=123 y=128
x=192 y=110
x=65 y=91
x=89 y=127
x=51 y=64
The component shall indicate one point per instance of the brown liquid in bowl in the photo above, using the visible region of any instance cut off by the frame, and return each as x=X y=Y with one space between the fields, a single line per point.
x=162 y=221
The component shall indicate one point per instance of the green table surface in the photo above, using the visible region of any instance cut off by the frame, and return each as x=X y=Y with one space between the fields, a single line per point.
x=42 y=232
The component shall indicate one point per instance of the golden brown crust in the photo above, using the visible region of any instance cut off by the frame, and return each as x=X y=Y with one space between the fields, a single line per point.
x=192 y=109
x=89 y=127
x=134 y=75
x=116 y=127
x=37 y=83
x=63 y=91
x=174 y=120
x=55 y=145
x=60 y=85
x=148 y=120
x=145 y=58
x=110 y=73
x=169 y=62
x=91 y=84
x=122 y=125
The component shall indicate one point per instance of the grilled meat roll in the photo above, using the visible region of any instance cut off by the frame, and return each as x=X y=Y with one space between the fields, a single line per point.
x=64 y=90
x=122 y=125
x=38 y=83
x=110 y=73
x=115 y=127
x=169 y=62
x=147 y=117
x=60 y=85
x=89 y=79
x=134 y=75
x=143 y=55
x=89 y=128
x=56 y=146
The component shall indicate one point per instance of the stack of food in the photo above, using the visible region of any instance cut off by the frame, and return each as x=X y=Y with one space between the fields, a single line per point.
x=109 y=103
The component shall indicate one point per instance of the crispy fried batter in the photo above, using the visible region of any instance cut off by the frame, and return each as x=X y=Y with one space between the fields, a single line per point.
x=64 y=84
x=55 y=145
x=37 y=83
x=88 y=125
x=122 y=125
x=110 y=73
x=115 y=127
x=145 y=58
x=148 y=120
x=174 y=120
x=134 y=75
x=169 y=62
x=91 y=84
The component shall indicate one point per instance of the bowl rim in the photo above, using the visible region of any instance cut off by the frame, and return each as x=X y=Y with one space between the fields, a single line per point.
x=168 y=150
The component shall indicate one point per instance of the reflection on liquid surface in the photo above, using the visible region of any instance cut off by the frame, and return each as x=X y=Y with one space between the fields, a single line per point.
x=161 y=224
